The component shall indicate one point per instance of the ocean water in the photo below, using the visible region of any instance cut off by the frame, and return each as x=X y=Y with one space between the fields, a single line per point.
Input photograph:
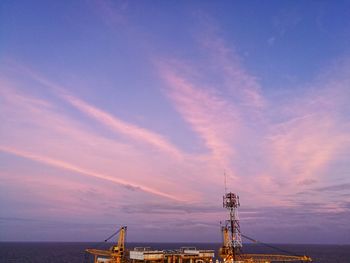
x=36 y=252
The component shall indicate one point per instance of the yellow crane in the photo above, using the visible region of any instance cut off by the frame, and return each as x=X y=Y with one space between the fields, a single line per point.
x=116 y=253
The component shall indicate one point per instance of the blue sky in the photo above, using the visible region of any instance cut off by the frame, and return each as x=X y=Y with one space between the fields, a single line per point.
x=121 y=112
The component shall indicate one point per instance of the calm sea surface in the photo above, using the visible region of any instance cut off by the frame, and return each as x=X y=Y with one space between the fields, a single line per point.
x=74 y=252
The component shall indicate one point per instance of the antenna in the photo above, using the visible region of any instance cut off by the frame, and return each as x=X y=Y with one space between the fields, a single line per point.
x=225 y=179
x=231 y=203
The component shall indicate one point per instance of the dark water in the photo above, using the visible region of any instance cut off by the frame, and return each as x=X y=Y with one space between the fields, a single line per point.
x=74 y=252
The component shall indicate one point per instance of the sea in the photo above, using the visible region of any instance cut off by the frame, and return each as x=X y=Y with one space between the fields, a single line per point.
x=51 y=252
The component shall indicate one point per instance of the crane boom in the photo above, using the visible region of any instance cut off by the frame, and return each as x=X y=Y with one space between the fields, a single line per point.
x=117 y=252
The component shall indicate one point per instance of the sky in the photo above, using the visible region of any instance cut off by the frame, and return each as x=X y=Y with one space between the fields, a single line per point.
x=132 y=112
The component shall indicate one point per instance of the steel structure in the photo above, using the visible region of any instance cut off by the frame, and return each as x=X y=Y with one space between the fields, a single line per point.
x=232 y=240
x=231 y=229
x=116 y=254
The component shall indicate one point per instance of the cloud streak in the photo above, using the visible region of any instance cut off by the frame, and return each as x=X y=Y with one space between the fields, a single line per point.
x=54 y=139
x=120 y=126
x=112 y=122
x=73 y=168
x=209 y=115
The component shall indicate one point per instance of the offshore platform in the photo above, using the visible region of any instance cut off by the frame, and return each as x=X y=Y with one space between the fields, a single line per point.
x=229 y=252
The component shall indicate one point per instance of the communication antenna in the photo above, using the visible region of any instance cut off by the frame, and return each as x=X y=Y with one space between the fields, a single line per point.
x=225 y=179
x=231 y=203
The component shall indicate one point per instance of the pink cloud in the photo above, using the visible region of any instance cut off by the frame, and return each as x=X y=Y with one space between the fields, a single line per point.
x=67 y=166
x=219 y=114
x=283 y=157
x=54 y=198
x=302 y=148
x=112 y=122
x=127 y=129
x=208 y=114
x=55 y=139
x=189 y=172
x=241 y=85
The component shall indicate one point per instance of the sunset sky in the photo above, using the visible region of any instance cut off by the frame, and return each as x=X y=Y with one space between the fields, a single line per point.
x=130 y=113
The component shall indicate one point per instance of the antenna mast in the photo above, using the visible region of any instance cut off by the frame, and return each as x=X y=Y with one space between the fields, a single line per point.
x=231 y=202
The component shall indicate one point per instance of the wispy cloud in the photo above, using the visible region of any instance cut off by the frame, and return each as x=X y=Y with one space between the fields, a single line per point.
x=288 y=145
x=222 y=113
x=243 y=87
x=208 y=114
x=54 y=138
x=338 y=187
x=301 y=148
x=120 y=126
x=113 y=13
x=115 y=124
x=312 y=134
x=79 y=170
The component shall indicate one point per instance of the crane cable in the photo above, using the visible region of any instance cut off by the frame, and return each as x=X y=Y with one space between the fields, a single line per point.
x=115 y=233
x=99 y=244
x=270 y=246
